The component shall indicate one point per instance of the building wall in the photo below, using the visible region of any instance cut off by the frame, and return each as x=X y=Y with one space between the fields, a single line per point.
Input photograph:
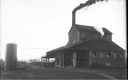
x=107 y=37
x=86 y=35
x=82 y=59
x=73 y=36
x=115 y=59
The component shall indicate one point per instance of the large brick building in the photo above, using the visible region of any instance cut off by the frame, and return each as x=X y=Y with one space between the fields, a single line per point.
x=86 y=48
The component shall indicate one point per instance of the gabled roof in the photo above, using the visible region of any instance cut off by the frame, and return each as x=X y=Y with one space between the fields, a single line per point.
x=92 y=45
x=88 y=28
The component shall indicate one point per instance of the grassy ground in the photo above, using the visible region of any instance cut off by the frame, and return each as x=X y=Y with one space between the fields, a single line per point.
x=117 y=73
x=55 y=73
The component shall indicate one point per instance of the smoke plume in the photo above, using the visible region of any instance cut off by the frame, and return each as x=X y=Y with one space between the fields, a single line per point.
x=86 y=4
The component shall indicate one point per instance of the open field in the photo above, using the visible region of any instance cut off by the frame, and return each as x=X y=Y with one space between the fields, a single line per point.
x=56 y=73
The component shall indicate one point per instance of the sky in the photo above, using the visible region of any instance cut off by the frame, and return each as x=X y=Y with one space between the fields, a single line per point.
x=38 y=26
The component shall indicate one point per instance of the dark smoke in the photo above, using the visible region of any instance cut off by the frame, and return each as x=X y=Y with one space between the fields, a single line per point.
x=88 y=3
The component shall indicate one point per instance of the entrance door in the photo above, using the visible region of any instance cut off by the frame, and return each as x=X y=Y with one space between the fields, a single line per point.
x=82 y=59
x=79 y=62
x=68 y=60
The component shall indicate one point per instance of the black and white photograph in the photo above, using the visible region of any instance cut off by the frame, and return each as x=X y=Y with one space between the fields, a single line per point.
x=63 y=39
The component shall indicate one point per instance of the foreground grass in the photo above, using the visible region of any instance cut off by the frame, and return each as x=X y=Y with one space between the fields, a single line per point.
x=48 y=74
x=53 y=73
x=118 y=73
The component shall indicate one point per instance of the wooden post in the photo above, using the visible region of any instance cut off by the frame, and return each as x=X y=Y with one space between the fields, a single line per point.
x=46 y=60
x=56 y=60
x=74 y=60
x=125 y=60
x=62 y=61
x=90 y=57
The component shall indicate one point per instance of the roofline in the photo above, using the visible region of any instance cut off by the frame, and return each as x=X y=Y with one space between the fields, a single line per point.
x=52 y=52
x=108 y=30
x=89 y=26
x=107 y=50
x=71 y=45
x=70 y=30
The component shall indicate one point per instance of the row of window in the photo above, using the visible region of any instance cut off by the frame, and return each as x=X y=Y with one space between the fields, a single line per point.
x=95 y=36
x=109 y=54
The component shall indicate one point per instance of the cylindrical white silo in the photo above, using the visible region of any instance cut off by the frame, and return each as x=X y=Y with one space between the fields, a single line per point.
x=11 y=57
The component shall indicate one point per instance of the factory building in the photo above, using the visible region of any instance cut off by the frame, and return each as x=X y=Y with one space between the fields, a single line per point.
x=87 y=47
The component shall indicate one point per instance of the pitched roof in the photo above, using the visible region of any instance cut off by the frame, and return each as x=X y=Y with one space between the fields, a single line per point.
x=62 y=49
x=66 y=47
x=91 y=44
x=89 y=28
x=105 y=45
x=100 y=45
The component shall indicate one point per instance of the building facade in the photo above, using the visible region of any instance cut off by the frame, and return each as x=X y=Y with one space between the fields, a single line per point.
x=86 y=48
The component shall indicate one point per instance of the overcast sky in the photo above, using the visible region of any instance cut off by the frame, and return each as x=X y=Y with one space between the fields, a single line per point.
x=44 y=24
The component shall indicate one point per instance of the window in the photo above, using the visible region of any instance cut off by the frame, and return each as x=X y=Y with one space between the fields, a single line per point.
x=101 y=54
x=114 y=55
x=121 y=55
x=93 y=54
x=108 y=55
x=82 y=35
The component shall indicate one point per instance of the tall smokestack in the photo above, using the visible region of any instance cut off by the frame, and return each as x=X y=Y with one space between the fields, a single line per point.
x=11 y=57
x=73 y=18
